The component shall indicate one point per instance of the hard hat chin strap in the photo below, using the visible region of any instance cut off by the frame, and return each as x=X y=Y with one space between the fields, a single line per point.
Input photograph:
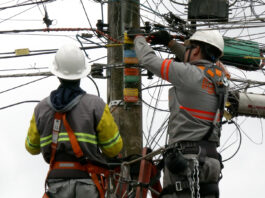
x=190 y=48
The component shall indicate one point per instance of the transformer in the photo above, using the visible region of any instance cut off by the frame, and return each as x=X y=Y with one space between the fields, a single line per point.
x=246 y=104
x=213 y=10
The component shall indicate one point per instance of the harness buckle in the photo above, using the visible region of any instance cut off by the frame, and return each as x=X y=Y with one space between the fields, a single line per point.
x=83 y=160
x=178 y=186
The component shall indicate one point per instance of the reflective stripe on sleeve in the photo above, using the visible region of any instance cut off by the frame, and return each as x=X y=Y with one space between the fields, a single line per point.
x=31 y=145
x=165 y=68
x=111 y=141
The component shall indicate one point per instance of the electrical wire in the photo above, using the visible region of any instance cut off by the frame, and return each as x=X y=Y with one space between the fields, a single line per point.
x=239 y=145
x=26 y=4
x=19 y=103
x=89 y=20
x=95 y=85
x=18 y=14
x=22 y=85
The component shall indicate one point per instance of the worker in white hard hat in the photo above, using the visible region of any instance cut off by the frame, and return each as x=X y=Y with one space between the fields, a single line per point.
x=196 y=103
x=74 y=131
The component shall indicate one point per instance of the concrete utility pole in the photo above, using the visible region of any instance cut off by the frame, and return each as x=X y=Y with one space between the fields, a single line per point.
x=122 y=14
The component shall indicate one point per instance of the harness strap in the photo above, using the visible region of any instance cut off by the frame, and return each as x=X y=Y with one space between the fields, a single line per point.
x=197 y=147
x=218 y=78
x=88 y=167
x=74 y=143
x=170 y=189
x=55 y=135
x=93 y=170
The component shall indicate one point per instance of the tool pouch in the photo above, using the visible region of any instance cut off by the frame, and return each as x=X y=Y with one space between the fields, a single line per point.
x=175 y=161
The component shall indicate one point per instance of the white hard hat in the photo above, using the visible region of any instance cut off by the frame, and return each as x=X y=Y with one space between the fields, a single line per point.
x=70 y=63
x=212 y=37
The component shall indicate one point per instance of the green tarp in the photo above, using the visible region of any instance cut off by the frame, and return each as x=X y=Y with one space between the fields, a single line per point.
x=241 y=53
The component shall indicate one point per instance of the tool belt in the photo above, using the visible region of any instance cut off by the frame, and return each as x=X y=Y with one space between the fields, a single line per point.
x=177 y=163
x=197 y=147
x=205 y=189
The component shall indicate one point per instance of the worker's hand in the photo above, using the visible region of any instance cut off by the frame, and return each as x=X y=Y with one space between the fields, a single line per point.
x=132 y=33
x=160 y=37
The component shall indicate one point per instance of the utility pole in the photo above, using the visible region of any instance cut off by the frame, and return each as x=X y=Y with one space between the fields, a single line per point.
x=123 y=14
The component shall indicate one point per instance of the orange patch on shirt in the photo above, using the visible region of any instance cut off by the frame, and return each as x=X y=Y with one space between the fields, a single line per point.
x=208 y=86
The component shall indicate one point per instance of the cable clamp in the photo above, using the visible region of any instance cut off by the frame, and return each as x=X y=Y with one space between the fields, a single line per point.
x=116 y=103
x=178 y=186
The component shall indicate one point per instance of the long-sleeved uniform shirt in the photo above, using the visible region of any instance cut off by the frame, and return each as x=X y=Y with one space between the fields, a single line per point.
x=91 y=121
x=192 y=99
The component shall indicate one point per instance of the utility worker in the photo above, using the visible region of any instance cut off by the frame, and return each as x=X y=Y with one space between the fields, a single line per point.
x=164 y=38
x=74 y=131
x=196 y=102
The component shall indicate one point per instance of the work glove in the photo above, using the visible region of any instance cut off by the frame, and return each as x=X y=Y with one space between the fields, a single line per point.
x=160 y=37
x=132 y=33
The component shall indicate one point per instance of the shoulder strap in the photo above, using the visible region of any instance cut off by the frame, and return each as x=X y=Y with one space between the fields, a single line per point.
x=219 y=80
x=55 y=136
x=93 y=170
x=74 y=143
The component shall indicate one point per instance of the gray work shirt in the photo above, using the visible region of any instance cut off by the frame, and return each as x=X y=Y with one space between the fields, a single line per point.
x=192 y=99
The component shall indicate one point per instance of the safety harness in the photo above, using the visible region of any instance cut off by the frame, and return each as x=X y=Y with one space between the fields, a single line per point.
x=220 y=82
x=83 y=164
x=203 y=148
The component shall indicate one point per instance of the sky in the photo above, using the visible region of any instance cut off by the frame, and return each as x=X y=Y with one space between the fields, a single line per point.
x=23 y=175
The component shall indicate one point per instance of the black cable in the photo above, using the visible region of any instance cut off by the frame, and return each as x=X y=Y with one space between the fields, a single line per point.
x=30 y=68
x=89 y=21
x=23 y=84
x=240 y=141
x=18 y=13
x=18 y=103
x=150 y=87
x=45 y=53
x=95 y=85
x=26 y=4
x=164 y=110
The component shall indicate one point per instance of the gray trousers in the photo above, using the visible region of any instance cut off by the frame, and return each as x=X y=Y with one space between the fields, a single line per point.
x=208 y=173
x=72 y=188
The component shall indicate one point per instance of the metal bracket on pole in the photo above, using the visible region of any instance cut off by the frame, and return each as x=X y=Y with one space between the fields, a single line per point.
x=116 y=103
x=122 y=103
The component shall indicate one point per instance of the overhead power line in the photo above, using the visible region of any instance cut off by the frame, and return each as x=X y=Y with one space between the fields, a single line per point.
x=26 y=4
x=18 y=103
x=61 y=30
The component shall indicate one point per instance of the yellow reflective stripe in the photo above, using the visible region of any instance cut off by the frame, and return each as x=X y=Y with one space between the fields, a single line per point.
x=79 y=134
x=111 y=141
x=31 y=145
x=78 y=139
x=32 y=141
x=45 y=143
x=63 y=136
x=86 y=135
x=45 y=138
